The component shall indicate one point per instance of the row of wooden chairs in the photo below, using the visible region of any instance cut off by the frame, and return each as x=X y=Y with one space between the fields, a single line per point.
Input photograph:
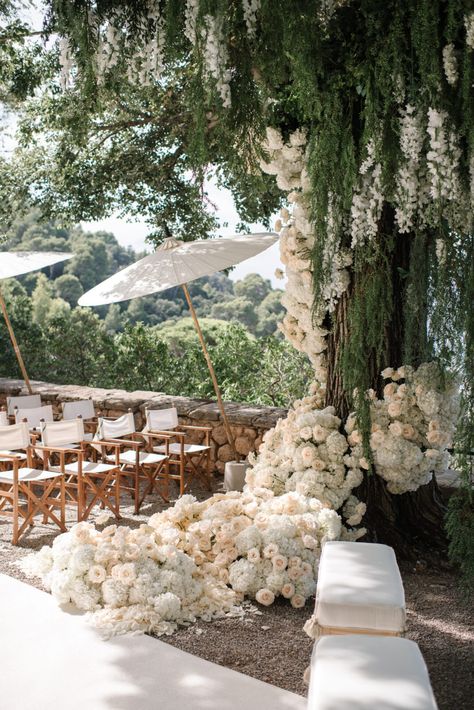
x=59 y=463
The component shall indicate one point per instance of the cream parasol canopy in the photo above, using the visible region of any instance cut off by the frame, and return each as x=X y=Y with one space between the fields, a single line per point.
x=175 y=263
x=18 y=263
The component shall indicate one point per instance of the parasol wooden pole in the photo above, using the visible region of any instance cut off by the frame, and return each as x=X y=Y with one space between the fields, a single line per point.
x=220 y=402
x=15 y=344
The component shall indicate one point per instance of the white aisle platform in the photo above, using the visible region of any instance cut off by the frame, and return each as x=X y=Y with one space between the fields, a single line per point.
x=52 y=660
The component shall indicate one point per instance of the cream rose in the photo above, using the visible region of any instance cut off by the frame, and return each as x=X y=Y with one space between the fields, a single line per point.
x=265 y=597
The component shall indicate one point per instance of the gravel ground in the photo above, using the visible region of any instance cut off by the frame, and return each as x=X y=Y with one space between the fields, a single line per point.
x=270 y=644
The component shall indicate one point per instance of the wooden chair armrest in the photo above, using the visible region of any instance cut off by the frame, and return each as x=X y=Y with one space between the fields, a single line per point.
x=12 y=457
x=122 y=442
x=103 y=444
x=196 y=428
x=58 y=450
x=154 y=435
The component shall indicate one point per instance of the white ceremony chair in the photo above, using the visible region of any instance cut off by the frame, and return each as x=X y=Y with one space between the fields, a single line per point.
x=190 y=459
x=28 y=401
x=82 y=408
x=34 y=416
x=4 y=418
x=87 y=482
x=134 y=464
x=19 y=485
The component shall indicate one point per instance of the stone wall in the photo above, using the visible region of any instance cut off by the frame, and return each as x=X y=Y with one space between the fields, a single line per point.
x=248 y=421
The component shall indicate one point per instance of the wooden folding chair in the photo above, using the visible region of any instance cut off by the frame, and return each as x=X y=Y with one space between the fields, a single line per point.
x=189 y=459
x=139 y=466
x=25 y=490
x=87 y=482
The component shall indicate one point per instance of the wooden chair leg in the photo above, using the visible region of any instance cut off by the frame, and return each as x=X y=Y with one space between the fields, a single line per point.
x=137 y=491
x=182 y=482
x=15 y=516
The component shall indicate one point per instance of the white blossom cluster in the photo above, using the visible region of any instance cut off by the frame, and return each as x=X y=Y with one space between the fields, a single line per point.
x=450 y=64
x=190 y=20
x=287 y=162
x=409 y=180
x=469 y=25
x=193 y=560
x=367 y=200
x=412 y=426
x=443 y=160
x=216 y=57
x=307 y=453
x=251 y=7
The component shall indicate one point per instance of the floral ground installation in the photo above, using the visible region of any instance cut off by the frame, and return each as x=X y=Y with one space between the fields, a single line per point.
x=196 y=560
x=200 y=560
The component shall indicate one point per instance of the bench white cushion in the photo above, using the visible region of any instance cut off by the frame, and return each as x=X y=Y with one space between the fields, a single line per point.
x=359 y=587
x=369 y=673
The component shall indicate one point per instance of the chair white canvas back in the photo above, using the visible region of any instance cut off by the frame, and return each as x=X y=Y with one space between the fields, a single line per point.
x=14 y=437
x=82 y=408
x=115 y=428
x=61 y=433
x=161 y=419
x=28 y=401
x=34 y=416
x=3 y=418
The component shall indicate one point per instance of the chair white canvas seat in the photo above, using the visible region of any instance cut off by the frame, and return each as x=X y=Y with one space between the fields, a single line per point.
x=359 y=588
x=130 y=457
x=176 y=448
x=87 y=467
x=370 y=673
x=28 y=475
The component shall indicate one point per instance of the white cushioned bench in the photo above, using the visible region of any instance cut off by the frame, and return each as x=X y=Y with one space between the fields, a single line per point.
x=369 y=673
x=359 y=590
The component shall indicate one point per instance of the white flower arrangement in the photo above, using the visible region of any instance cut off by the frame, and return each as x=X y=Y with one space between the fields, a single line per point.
x=412 y=426
x=307 y=454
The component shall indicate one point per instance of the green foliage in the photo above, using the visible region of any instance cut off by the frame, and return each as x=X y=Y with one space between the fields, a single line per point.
x=69 y=288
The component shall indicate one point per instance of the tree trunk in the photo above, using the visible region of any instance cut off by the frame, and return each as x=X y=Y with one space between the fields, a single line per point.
x=412 y=519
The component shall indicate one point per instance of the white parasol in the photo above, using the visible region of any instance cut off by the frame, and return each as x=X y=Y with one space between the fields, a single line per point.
x=175 y=263
x=17 y=263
